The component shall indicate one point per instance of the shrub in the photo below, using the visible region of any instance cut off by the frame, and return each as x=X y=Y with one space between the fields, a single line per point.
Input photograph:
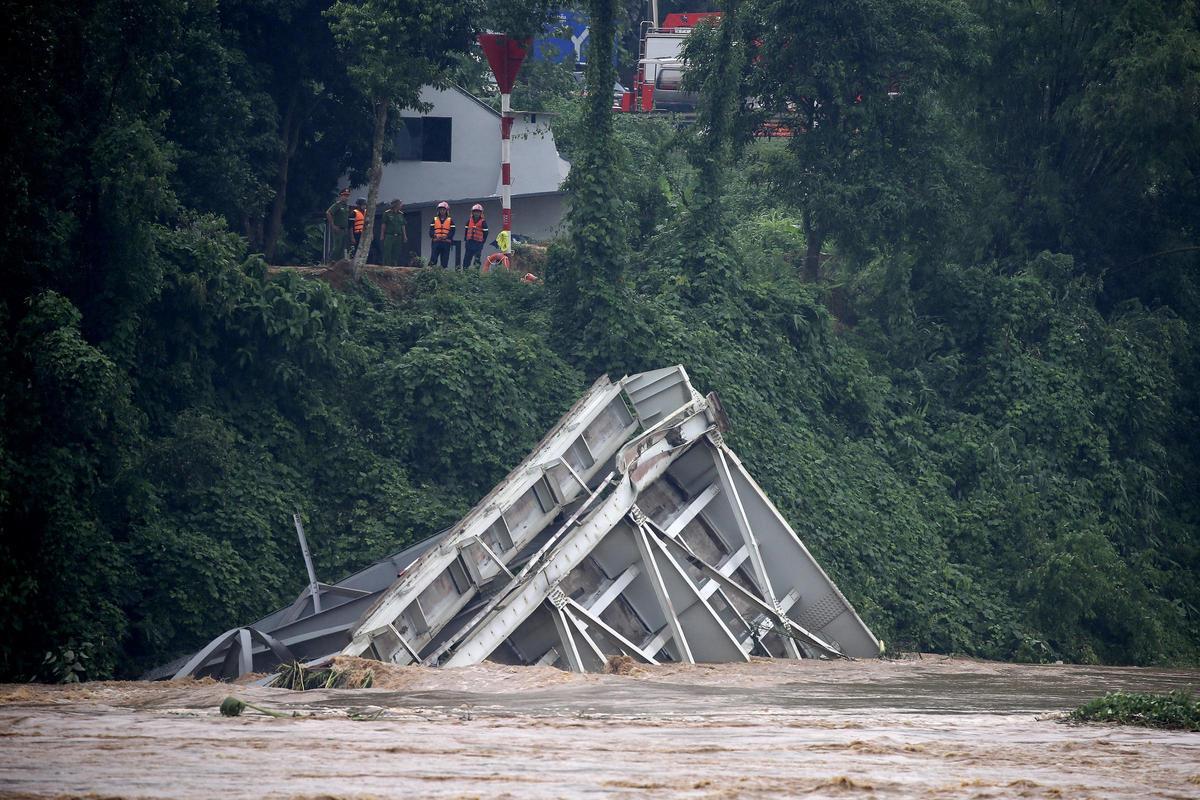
x=1178 y=709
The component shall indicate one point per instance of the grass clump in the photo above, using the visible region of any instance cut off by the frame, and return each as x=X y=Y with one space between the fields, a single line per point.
x=299 y=678
x=619 y=665
x=1179 y=710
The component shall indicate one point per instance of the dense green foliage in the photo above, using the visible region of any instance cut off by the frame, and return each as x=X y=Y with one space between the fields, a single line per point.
x=1173 y=710
x=588 y=274
x=870 y=169
x=957 y=328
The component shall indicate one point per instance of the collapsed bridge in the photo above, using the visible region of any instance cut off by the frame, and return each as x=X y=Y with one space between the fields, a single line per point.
x=631 y=529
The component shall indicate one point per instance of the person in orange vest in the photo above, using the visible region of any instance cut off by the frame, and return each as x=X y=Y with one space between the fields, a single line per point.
x=475 y=235
x=358 y=219
x=441 y=234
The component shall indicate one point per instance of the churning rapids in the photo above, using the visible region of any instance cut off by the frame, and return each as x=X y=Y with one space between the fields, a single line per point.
x=930 y=727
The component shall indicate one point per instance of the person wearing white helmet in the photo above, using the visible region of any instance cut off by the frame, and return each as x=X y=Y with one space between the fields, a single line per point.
x=441 y=234
x=475 y=235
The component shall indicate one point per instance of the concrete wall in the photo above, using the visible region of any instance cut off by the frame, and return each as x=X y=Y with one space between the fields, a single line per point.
x=474 y=167
x=536 y=164
x=539 y=218
x=473 y=173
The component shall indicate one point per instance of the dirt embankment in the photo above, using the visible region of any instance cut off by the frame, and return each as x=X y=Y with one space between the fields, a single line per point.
x=394 y=281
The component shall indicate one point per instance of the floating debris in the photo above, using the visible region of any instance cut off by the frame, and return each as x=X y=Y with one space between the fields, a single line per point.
x=233 y=707
x=298 y=677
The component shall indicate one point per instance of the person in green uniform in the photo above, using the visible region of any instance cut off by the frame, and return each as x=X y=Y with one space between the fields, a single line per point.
x=393 y=233
x=337 y=217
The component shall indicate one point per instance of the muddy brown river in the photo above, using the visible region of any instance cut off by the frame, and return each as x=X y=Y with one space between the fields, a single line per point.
x=923 y=728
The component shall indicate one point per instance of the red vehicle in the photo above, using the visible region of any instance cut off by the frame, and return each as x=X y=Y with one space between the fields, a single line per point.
x=657 y=85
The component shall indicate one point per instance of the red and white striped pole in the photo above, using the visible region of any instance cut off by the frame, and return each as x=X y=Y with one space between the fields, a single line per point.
x=504 y=55
x=506 y=122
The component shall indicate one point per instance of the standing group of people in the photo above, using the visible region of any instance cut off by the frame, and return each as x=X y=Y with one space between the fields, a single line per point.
x=346 y=224
x=441 y=238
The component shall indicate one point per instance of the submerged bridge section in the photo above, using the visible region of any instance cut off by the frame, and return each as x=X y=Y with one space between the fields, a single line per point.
x=631 y=529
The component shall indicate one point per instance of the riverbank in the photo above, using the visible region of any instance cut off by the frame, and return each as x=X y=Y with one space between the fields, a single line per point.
x=930 y=727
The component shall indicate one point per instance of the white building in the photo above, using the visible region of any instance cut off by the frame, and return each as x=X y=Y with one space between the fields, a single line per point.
x=452 y=153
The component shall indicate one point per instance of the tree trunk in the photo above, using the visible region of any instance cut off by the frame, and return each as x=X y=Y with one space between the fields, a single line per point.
x=290 y=139
x=248 y=229
x=812 y=258
x=364 y=244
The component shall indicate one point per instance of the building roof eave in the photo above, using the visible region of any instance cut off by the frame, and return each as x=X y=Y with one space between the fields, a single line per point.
x=494 y=112
x=464 y=200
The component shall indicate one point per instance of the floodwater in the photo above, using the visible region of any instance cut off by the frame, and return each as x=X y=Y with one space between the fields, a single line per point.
x=932 y=727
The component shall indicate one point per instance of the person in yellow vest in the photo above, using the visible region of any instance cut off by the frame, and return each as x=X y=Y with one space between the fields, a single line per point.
x=496 y=260
x=441 y=234
x=358 y=220
x=393 y=234
x=475 y=235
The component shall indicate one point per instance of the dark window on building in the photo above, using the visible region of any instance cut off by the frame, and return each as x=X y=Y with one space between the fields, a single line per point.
x=423 y=139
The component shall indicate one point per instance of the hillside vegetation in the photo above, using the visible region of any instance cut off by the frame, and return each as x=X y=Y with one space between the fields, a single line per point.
x=956 y=329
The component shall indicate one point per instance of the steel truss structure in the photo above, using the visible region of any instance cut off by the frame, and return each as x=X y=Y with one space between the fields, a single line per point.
x=631 y=529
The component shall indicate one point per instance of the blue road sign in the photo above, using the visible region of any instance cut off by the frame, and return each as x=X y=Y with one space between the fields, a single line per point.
x=564 y=39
